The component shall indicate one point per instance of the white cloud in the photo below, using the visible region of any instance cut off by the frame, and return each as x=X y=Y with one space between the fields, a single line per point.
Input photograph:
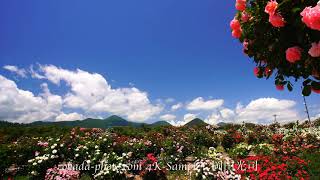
x=186 y=118
x=200 y=104
x=35 y=74
x=176 y=106
x=262 y=111
x=214 y=118
x=15 y=69
x=258 y=111
x=169 y=100
x=92 y=93
x=18 y=105
x=189 y=117
x=227 y=113
x=168 y=117
x=69 y=117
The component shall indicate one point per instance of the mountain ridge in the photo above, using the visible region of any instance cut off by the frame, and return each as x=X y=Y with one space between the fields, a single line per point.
x=109 y=122
x=112 y=121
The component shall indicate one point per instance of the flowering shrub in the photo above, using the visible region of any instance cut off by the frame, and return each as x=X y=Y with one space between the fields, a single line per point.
x=282 y=37
x=215 y=166
x=241 y=150
x=61 y=174
x=151 y=168
x=280 y=152
x=113 y=167
x=268 y=167
x=263 y=149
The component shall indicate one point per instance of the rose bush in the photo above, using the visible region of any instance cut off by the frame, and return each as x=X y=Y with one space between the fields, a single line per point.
x=282 y=37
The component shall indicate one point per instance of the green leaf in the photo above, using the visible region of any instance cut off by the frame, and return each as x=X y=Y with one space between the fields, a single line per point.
x=306 y=90
x=289 y=86
x=296 y=9
x=315 y=85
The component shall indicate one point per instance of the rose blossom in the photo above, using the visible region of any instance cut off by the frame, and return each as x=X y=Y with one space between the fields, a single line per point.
x=235 y=24
x=245 y=16
x=236 y=28
x=311 y=17
x=241 y=5
x=237 y=33
x=267 y=71
x=271 y=7
x=276 y=20
x=280 y=87
x=293 y=54
x=256 y=71
x=314 y=51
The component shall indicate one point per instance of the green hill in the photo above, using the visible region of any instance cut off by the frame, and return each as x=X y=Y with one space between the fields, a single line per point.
x=161 y=123
x=196 y=122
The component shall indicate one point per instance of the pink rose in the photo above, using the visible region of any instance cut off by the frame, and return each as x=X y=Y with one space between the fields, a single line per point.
x=256 y=71
x=293 y=54
x=235 y=24
x=245 y=16
x=311 y=17
x=314 y=51
x=280 y=87
x=276 y=20
x=267 y=71
x=241 y=5
x=271 y=7
x=237 y=33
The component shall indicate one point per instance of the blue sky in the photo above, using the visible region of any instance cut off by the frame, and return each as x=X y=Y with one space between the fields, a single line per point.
x=168 y=49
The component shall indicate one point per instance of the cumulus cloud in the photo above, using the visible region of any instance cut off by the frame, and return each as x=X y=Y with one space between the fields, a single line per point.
x=200 y=104
x=16 y=70
x=35 y=74
x=189 y=117
x=168 y=117
x=92 y=93
x=258 y=111
x=18 y=105
x=176 y=106
x=69 y=117
x=186 y=118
